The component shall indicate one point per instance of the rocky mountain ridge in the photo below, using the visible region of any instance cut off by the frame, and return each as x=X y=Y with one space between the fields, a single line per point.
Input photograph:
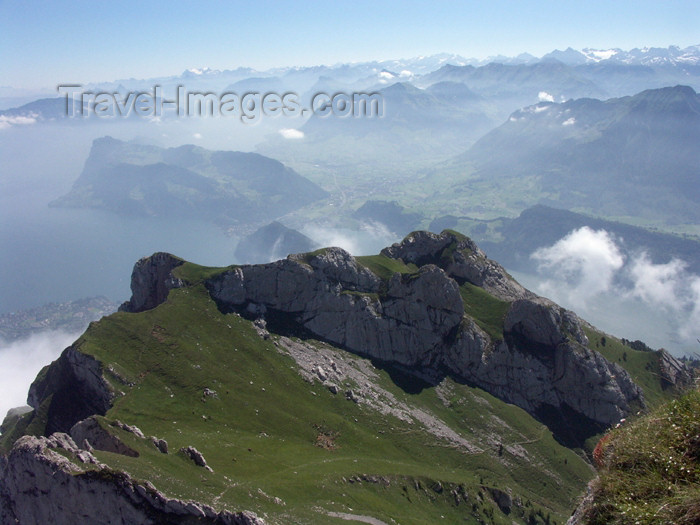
x=418 y=307
x=417 y=319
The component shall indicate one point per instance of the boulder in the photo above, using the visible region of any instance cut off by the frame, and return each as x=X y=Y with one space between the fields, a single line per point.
x=99 y=438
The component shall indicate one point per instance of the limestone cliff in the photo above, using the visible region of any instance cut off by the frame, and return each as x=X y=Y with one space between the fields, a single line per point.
x=541 y=363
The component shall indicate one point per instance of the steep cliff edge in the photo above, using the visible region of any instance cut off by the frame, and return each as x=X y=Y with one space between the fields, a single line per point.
x=648 y=469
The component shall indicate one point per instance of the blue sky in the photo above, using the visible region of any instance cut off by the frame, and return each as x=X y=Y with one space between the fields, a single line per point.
x=46 y=43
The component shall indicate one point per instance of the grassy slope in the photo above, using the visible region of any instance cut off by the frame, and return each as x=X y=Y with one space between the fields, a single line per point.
x=651 y=469
x=488 y=311
x=384 y=267
x=260 y=432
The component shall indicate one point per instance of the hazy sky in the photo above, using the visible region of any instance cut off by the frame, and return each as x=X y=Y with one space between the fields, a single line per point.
x=43 y=43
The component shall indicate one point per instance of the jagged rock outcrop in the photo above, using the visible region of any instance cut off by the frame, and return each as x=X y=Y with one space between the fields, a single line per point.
x=539 y=377
x=151 y=280
x=531 y=353
x=73 y=388
x=333 y=296
x=40 y=485
x=194 y=455
x=542 y=364
x=674 y=372
x=417 y=319
x=542 y=322
x=461 y=259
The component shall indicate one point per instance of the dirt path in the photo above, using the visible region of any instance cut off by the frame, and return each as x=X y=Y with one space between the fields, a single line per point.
x=357 y=517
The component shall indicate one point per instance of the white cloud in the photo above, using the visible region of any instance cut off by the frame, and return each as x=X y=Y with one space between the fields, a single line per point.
x=586 y=260
x=21 y=361
x=291 y=133
x=386 y=75
x=543 y=96
x=658 y=283
x=569 y=122
x=197 y=136
x=7 y=121
x=669 y=286
x=587 y=271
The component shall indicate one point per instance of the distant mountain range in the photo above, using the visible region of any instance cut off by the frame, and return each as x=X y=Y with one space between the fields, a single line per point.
x=226 y=187
x=417 y=126
x=634 y=156
x=535 y=131
x=569 y=74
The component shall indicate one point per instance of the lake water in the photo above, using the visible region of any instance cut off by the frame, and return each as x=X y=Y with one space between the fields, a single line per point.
x=51 y=254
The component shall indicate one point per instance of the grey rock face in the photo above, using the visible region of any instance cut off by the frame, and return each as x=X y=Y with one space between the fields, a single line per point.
x=418 y=320
x=332 y=296
x=673 y=371
x=77 y=387
x=543 y=362
x=151 y=280
x=419 y=247
x=39 y=485
x=543 y=322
